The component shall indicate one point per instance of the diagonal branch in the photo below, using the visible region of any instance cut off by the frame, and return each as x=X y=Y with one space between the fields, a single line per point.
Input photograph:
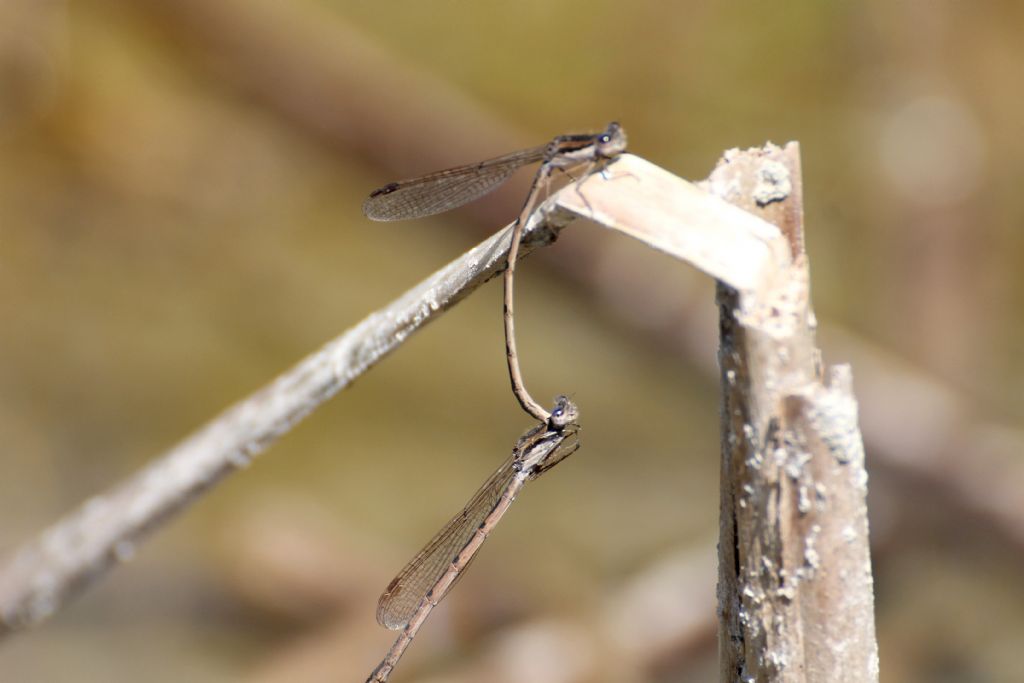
x=78 y=549
x=64 y=559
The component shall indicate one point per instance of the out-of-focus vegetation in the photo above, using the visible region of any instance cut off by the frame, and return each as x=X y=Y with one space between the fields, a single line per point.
x=179 y=221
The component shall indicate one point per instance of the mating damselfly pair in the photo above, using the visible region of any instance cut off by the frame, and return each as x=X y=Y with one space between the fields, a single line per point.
x=420 y=586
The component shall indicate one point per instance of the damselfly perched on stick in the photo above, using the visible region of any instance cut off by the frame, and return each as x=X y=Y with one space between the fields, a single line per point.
x=446 y=190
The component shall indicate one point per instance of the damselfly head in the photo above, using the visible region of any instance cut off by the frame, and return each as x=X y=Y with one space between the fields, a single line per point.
x=565 y=412
x=612 y=141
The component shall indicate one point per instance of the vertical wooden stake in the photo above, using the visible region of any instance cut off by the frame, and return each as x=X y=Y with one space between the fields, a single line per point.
x=795 y=587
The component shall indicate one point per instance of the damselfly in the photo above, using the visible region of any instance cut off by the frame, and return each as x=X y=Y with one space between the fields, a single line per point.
x=423 y=583
x=445 y=190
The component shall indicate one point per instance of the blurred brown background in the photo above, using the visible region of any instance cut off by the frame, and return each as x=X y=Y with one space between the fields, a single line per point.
x=180 y=185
